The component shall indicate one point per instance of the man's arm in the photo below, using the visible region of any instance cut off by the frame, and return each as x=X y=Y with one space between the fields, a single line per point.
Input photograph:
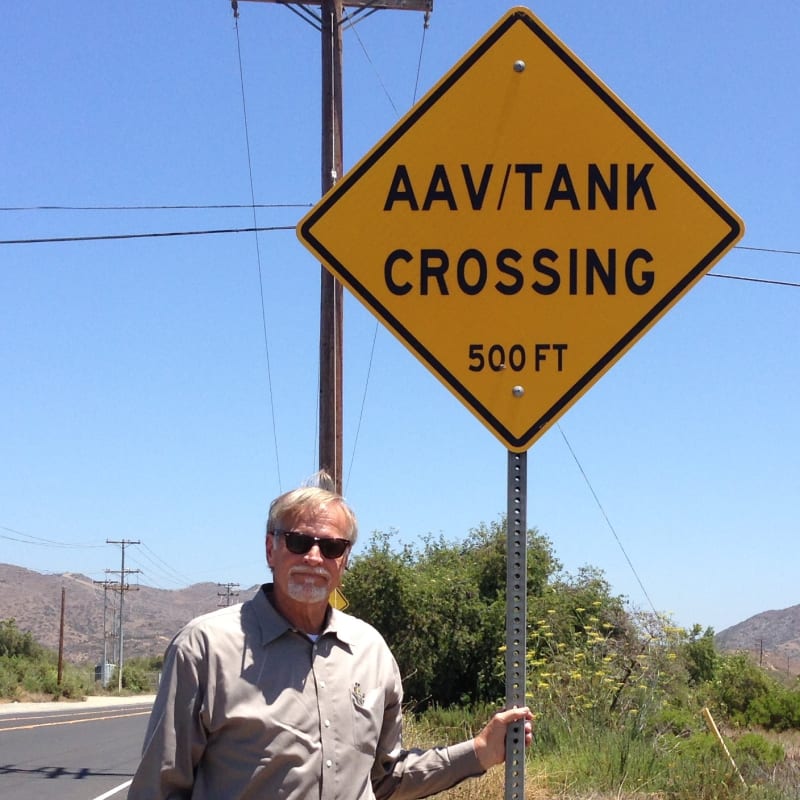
x=410 y=774
x=175 y=738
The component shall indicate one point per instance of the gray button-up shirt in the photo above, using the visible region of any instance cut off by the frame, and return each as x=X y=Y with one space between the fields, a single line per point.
x=250 y=708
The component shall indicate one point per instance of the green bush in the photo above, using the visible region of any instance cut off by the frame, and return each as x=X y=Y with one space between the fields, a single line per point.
x=752 y=750
x=441 y=608
x=749 y=696
x=700 y=655
x=28 y=669
x=40 y=677
x=675 y=721
x=779 y=709
x=138 y=675
x=10 y=676
x=14 y=642
x=739 y=684
x=698 y=769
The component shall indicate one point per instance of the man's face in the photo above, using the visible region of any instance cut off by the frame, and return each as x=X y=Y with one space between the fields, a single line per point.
x=308 y=578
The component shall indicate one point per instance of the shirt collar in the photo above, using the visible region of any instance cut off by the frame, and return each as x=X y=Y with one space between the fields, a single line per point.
x=273 y=625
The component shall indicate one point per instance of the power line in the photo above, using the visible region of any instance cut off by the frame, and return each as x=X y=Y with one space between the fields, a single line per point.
x=258 y=251
x=187 y=206
x=767 y=250
x=425 y=26
x=249 y=206
x=272 y=228
x=753 y=280
x=167 y=570
x=348 y=18
x=605 y=517
x=116 y=236
x=38 y=540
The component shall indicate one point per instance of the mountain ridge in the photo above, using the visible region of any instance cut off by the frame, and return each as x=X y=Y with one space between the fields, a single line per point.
x=152 y=616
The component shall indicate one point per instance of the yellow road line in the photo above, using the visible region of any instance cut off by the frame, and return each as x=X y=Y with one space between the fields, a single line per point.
x=74 y=721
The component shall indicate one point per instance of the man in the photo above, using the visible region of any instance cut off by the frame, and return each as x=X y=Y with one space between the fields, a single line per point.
x=284 y=697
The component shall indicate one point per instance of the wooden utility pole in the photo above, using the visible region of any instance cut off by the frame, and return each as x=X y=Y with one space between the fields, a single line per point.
x=61 y=640
x=331 y=317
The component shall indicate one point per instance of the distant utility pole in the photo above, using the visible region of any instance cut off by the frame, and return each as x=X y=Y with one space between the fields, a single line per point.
x=61 y=639
x=328 y=20
x=227 y=594
x=123 y=587
x=105 y=584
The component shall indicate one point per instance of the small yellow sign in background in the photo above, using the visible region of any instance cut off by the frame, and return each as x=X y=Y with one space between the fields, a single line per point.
x=338 y=600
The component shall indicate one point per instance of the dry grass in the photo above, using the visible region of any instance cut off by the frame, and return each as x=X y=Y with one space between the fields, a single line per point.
x=538 y=786
x=542 y=782
x=539 y=783
x=548 y=780
x=491 y=786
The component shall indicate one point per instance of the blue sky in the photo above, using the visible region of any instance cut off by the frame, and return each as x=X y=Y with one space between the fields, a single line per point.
x=136 y=400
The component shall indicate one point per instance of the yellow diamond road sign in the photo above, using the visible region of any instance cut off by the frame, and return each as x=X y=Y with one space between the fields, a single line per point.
x=519 y=229
x=338 y=600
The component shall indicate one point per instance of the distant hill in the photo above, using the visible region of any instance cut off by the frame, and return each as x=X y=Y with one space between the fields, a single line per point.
x=151 y=616
x=772 y=637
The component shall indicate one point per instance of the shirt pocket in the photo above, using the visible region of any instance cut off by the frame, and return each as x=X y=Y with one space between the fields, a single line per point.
x=367 y=708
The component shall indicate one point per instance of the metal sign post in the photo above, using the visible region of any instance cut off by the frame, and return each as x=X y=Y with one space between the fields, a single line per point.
x=516 y=618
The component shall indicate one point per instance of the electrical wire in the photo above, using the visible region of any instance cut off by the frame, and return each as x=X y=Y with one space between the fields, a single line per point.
x=180 y=207
x=165 y=234
x=258 y=257
x=426 y=25
x=753 y=280
x=314 y=20
x=363 y=403
x=142 y=551
x=27 y=538
x=767 y=250
x=606 y=518
x=272 y=228
x=352 y=27
x=162 y=566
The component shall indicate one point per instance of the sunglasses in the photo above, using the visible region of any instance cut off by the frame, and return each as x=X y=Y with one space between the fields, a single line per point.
x=300 y=543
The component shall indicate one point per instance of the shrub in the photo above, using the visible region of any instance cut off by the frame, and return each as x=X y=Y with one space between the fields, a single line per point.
x=27 y=668
x=739 y=683
x=14 y=642
x=753 y=752
x=700 y=770
x=10 y=676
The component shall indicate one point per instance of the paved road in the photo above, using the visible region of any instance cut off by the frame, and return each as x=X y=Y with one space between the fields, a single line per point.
x=71 y=751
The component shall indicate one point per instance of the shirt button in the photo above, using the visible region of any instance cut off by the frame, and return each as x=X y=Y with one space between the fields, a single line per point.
x=327 y=723
x=322 y=684
x=329 y=763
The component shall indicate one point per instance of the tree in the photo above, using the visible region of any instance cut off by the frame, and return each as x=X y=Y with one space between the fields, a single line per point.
x=14 y=642
x=441 y=608
x=701 y=655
